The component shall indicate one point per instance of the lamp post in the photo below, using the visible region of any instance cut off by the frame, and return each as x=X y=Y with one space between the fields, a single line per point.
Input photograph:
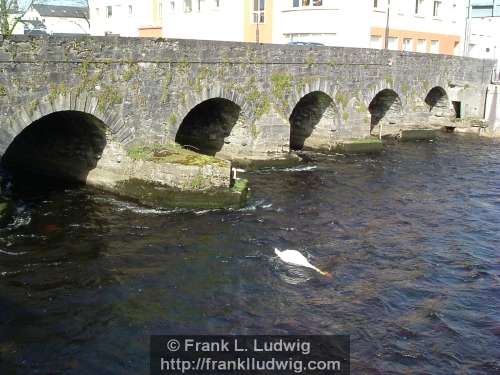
x=257 y=33
x=386 y=41
x=467 y=31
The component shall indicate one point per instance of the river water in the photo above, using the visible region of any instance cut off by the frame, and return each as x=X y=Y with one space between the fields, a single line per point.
x=412 y=237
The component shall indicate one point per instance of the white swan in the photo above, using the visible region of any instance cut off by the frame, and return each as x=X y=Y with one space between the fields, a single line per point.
x=296 y=258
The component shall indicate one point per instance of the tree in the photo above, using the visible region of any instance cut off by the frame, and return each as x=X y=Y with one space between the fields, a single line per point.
x=10 y=15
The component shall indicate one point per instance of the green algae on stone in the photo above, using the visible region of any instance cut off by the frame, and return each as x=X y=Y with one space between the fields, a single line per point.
x=162 y=196
x=172 y=153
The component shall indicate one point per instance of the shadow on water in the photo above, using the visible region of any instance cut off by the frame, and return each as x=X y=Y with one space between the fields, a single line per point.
x=410 y=236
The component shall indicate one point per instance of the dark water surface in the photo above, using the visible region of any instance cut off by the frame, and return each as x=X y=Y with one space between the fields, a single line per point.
x=412 y=237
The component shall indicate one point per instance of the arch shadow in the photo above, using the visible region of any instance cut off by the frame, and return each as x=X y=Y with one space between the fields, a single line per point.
x=438 y=102
x=206 y=126
x=306 y=115
x=387 y=106
x=62 y=146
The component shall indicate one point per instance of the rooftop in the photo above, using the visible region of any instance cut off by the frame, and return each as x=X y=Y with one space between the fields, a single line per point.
x=61 y=11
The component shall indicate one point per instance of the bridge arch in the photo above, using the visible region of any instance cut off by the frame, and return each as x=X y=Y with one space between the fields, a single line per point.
x=63 y=145
x=438 y=102
x=206 y=127
x=386 y=108
x=62 y=136
x=313 y=114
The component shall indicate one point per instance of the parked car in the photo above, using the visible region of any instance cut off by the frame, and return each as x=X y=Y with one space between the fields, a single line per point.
x=305 y=44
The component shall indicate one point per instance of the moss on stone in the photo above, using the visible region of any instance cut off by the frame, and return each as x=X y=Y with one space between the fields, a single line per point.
x=282 y=85
x=172 y=119
x=172 y=153
x=131 y=72
x=341 y=99
x=259 y=101
x=3 y=90
x=157 y=195
x=33 y=107
x=361 y=108
x=310 y=60
x=56 y=90
x=108 y=96
x=6 y=208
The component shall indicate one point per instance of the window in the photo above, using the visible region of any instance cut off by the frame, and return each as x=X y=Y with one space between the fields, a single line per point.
x=375 y=3
x=160 y=10
x=434 y=46
x=109 y=11
x=437 y=5
x=393 y=42
x=419 y=6
x=200 y=5
x=130 y=10
x=97 y=12
x=188 y=6
x=422 y=45
x=407 y=45
x=172 y=6
x=258 y=11
x=376 y=41
x=306 y=3
x=216 y=4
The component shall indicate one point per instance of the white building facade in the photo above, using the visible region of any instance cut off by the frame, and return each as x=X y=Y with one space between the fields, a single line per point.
x=483 y=37
x=204 y=19
x=57 y=19
x=127 y=18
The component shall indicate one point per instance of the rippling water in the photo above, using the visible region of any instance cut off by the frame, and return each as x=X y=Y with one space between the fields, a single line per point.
x=412 y=237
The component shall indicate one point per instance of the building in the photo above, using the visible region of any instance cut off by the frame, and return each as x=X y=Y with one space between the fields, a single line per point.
x=204 y=19
x=128 y=18
x=427 y=26
x=413 y=25
x=483 y=34
x=56 y=20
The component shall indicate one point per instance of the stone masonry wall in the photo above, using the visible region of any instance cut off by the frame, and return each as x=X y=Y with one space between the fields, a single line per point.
x=142 y=89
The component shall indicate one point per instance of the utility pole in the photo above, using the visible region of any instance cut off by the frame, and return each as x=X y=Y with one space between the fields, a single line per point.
x=257 y=33
x=386 y=41
x=467 y=30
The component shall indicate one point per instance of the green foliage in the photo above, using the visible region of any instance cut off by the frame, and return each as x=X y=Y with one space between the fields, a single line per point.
x=341 y=99
x=131 y=71
x=281 y=88
x=310 y=60
x=199 y=182
x=389 y=81
x=203 y=74
x=259 y=102
x=362 y=108
x=184 y=66
x=56 y=90
x=33 y=107
x=108 y=96
x=172 y=119
x=3 y=91
x=345 y=116
x=165 y=91
x=405 y=88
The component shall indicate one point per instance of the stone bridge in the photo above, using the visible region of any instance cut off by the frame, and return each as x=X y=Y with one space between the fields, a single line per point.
x=93 y=98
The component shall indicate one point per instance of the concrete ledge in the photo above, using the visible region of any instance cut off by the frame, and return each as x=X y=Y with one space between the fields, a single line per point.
x=157 y=195
x=253 y=164
x=416 y=135
x=168 y=176
x=359 y=146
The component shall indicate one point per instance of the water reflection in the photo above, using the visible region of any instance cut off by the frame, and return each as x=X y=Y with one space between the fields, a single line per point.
x=409 y=235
